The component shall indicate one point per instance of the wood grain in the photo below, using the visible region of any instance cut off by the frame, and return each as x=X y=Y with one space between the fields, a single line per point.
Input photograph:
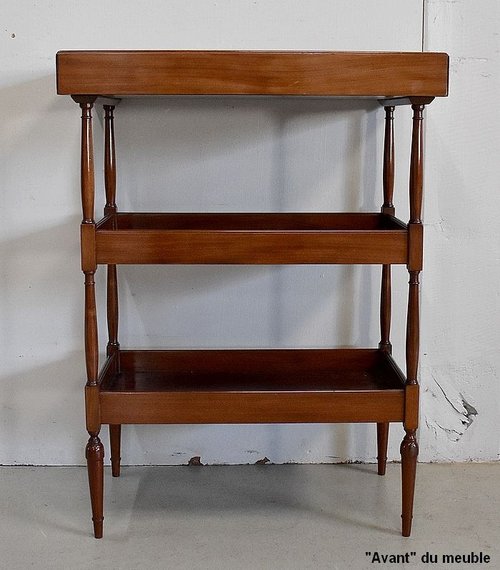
x=87 y=163
x=88 y=247
x=109 y=159
x=267 y=239
x=377 y=74
x=227 y=408
x=416 y=165
x=92 y=409
x=409 y=454
x=91 y=336
x=385 y=309
x=253 y=386
x=388 y=209
x=382 y=441
x=415 y=246
x=115 y=432
x=411 y=406
x=110 y=209
x=388 y=171
x=415 y=253
x=94 y=453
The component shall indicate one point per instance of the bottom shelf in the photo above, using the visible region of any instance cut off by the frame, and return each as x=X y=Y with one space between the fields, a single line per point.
x=251 y=386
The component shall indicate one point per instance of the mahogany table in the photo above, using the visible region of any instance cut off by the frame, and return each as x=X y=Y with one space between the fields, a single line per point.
x=251 y=386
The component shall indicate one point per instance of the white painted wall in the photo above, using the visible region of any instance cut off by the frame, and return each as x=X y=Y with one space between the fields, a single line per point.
x=461 y=302
x=237 y=155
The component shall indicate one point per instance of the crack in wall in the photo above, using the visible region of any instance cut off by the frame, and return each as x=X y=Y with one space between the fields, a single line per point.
x=466 y=414
x=451 y=431
x=470 y=410
x=431 y=427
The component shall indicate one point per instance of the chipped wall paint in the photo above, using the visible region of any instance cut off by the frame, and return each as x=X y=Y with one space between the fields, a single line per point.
x=242 y=155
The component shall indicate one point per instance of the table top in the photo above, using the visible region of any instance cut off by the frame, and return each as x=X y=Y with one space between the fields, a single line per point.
x=304 y=73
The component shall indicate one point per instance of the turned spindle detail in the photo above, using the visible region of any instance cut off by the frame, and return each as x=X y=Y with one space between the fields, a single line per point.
x=109 y=160
x=112 y=310
x=87 y=161
x=385 y=288
x=385 y=310
x=409 y=446
x=388 y=175
x=91 y=342
x=409 y=454
x=416 y=165
x=94 y=453
x=88 y=240
x=415 y=236
x=388 y=209
x=412 y=329
x=110 y=209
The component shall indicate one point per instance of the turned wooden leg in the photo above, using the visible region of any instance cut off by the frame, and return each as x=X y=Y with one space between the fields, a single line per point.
x=382 y=439
x=94 y=453
x=409 y=453
x=385 y=289
x=114 y=438
x=409 y=445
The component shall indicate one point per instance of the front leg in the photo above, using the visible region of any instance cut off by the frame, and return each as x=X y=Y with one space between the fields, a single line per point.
x=409 y=454
x=94 y=453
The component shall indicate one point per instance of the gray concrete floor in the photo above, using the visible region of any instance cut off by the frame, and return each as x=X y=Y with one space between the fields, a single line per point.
x=258 y=517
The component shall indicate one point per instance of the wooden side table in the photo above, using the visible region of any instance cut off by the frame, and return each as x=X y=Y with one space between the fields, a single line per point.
x=251 y=386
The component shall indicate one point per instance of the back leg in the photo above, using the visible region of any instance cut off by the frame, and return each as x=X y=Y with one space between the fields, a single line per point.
x=115 y=441
x=382 y=440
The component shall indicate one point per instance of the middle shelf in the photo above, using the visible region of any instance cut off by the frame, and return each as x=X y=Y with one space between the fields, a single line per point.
x=251 y=238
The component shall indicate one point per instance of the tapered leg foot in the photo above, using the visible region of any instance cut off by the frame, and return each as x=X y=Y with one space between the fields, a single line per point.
x=115 y=441
x=409 y=454
x=382 y=439
x=94 y=454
